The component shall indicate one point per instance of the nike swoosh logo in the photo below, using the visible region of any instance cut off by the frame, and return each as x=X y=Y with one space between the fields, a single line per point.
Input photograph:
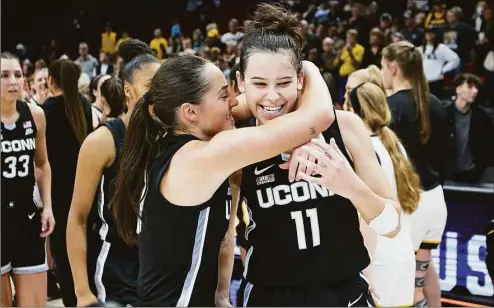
x=32 y=215
x=350 y=304
x=257 y=172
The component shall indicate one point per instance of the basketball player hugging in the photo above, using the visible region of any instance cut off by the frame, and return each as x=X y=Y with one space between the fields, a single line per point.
x=178 y=216
x=305 y=245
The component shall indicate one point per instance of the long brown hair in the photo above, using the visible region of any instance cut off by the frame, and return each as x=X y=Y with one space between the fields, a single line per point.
x=409 y=60
x=66 y=75
x=177 y=81
x=376 y=114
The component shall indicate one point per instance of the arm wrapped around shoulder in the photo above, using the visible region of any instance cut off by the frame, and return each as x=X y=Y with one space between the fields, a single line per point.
x=386 y=222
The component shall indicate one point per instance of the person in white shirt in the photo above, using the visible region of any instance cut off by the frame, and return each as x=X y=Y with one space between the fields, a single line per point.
x=234 y=36
x=86 y=61
x=438 y=59
x=392 y=269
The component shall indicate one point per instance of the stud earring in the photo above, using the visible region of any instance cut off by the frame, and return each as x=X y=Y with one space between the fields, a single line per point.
x=299 y=87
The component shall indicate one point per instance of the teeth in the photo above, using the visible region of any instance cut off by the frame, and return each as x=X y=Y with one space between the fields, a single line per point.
x=272 y=109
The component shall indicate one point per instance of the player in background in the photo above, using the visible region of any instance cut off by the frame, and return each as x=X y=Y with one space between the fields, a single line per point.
x=24 y=225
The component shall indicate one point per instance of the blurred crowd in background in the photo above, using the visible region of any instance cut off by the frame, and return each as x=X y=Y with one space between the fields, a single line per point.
x=340 y=37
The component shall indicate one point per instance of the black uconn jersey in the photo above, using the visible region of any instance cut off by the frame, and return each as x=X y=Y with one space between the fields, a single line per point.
x=179 y=245
x=300 y=233
x=107 y=230
x=18 y=148
x=117 y=264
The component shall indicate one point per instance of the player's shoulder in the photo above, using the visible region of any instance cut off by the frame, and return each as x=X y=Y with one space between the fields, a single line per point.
x=348 y=121
x=99 y=145
x=37 y=113
x=35 y=109
x=101 y=139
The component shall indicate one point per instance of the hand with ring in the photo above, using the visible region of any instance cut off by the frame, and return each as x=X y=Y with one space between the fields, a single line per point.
x=293 y=165
x=336 y=173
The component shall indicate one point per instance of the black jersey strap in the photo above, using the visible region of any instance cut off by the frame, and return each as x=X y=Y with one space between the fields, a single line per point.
x=168 y=146
x=26 y=114
x=117 y=129
x=334 y=132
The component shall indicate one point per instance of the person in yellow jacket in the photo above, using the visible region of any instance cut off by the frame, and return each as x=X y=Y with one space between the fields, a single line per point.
x=349 y=60
x=109 y=41
x=159 y=44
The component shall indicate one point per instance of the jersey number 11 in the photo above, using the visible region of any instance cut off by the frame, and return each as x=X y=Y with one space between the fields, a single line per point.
x=298 y=216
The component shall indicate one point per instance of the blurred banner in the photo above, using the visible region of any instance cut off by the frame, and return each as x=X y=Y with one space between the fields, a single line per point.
x=460 y=259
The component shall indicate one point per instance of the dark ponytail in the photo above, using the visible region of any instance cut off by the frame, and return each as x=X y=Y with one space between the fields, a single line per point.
x=272 y=29
x=112 y=91
x=141 y=135
x=66 y=75
x=177 y=81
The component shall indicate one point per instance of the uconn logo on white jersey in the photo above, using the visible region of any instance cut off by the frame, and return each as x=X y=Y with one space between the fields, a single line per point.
x=296 y=192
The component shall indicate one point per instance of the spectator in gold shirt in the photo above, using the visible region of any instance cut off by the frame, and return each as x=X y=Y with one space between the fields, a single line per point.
x=349 y=60
x=109 y=41
x=159 y=44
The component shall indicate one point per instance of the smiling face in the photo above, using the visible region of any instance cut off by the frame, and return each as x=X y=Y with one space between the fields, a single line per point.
x=215 y=110
x=41 y=80
x=270 y=84
x=12 y=80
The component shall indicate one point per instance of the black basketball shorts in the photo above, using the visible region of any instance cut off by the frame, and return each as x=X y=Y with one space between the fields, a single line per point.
x=353 y=292
x=23 y=249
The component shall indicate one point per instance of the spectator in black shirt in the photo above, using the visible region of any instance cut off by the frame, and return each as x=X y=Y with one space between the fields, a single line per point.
x=459 y=36
x=373 y=54
x=360 y=23
x=311 y=40
x=471 y=132
x=411 y=32
x=385 y=25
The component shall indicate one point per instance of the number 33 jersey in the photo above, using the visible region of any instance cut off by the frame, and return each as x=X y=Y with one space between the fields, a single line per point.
x=17 y=153
x=301 y=234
